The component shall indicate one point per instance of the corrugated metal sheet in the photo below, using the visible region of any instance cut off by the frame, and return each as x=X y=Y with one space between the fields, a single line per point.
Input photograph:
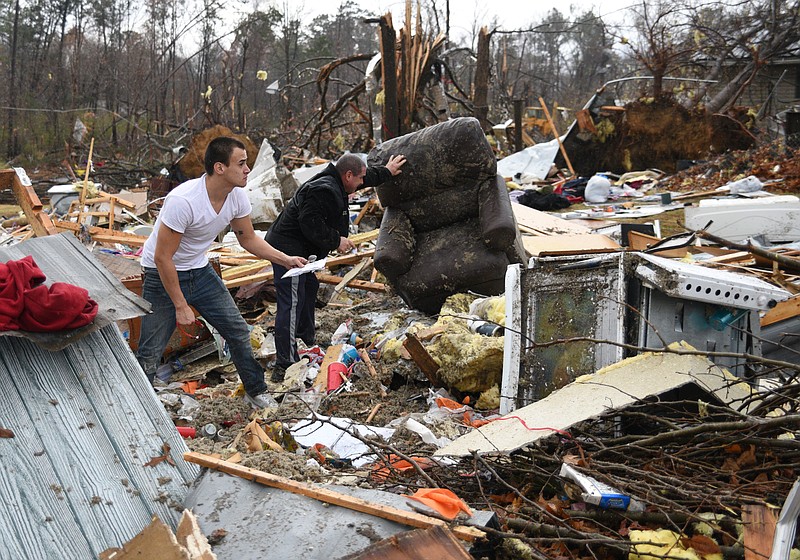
x=63 y=258
x=85 y=421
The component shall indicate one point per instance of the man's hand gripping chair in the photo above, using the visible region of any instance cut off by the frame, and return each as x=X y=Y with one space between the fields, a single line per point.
x=447 y=226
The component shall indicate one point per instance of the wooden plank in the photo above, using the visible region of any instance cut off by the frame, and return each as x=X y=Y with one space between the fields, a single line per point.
x=103 y=235
x=253 y=267
x=423 y=359
x=758 y=523
x=568 y=244
x=348 y=259
x=543 y=223
x=409 y=518
x=699 y=194
x=253 y=278
x=104 y=197
x=359 y=284
x=351 y=275
x=367 y=205
x=558 y=138
x=371 y=368
x=331 y=355
x=738 y=257
x=784 y=310
x=28 y=200
x=364 y=236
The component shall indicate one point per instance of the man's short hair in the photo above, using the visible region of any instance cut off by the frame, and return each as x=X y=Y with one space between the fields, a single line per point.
x=352 y=163
x=220 y=150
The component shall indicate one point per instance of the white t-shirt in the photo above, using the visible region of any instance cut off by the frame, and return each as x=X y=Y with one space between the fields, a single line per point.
x=188 y=210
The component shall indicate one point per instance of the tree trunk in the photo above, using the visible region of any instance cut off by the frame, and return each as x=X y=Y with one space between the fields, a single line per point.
x=481 y=95
x=391 y=114
x=12 y=148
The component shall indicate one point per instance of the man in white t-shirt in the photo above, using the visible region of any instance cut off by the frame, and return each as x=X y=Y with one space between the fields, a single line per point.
x=177 y=273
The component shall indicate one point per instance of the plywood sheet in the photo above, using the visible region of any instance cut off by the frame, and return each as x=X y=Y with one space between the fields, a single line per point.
x=543 y=223
x=568 y=244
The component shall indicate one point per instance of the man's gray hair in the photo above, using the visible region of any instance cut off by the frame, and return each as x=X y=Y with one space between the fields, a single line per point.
x=352 y=163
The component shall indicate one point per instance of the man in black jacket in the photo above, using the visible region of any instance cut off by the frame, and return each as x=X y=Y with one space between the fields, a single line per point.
x=313 y=223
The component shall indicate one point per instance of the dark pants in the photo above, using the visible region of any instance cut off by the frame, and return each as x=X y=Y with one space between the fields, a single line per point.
x=295 y=317
x=205 y=291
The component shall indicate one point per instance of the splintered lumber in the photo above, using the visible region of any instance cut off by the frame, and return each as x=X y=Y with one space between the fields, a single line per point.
x=351 y=275
x=364 y=236
x=85 y=181
x=331 y=355
x=542 y=223
x=555 y=132
x=784 y=310
x=348 y=259
x=758 y=524
x=251 y=279
x=29 y=202
x=423 y=359
x=110 y=198
x=783 y=260
x=359 y=284
x=409 y=518
x=249 y=269
x=371 y=368
x=103 y=235
x=363 y=212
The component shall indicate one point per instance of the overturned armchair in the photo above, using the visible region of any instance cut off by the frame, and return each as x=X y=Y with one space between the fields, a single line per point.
x=448 y=226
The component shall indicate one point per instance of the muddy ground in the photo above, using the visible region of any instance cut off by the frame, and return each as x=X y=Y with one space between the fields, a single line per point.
x=219 y=402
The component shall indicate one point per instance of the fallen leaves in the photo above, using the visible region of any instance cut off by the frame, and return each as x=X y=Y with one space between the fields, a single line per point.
x=161 y=458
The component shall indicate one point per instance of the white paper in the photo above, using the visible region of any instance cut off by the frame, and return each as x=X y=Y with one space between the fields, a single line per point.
x=310 y=267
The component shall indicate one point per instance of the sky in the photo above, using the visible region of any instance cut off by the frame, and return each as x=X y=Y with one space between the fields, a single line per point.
x=510 y=14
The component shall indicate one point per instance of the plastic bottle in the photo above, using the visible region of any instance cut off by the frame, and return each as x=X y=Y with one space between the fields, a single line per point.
x=341 y=334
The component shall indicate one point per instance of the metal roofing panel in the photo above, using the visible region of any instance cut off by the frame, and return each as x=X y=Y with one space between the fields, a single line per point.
x=63 y=258
x=85 y=421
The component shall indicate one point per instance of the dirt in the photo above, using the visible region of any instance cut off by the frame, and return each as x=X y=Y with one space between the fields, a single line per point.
x=222 y=405
x=658 y=133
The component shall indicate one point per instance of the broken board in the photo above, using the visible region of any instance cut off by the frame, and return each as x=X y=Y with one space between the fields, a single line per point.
x=568 y=244
x=542 y=223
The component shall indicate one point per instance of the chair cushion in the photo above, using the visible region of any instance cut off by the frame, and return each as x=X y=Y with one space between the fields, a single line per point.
x=395 y=245
x=451 y=260
x=450 y=155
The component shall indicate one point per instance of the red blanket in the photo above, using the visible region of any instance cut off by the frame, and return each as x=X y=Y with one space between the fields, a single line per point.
x=26 y=304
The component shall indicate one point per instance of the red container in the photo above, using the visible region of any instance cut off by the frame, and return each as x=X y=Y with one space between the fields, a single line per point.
x=335 y=372
x=187 y=431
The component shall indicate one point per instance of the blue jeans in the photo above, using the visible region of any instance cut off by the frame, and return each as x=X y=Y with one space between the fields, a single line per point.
x=295 y=316
x=205 y=291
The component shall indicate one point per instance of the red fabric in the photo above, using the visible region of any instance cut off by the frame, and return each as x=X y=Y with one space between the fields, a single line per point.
x=27 y=304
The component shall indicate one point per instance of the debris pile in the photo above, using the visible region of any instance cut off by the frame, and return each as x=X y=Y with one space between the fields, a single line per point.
x=678 y=441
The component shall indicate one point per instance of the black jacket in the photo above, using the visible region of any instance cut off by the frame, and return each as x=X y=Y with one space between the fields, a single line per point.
x=318 y=214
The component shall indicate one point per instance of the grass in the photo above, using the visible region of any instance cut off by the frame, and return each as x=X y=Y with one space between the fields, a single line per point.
x=9 y=210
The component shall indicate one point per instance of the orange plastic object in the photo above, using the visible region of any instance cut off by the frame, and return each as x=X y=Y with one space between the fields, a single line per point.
x=442 y=500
